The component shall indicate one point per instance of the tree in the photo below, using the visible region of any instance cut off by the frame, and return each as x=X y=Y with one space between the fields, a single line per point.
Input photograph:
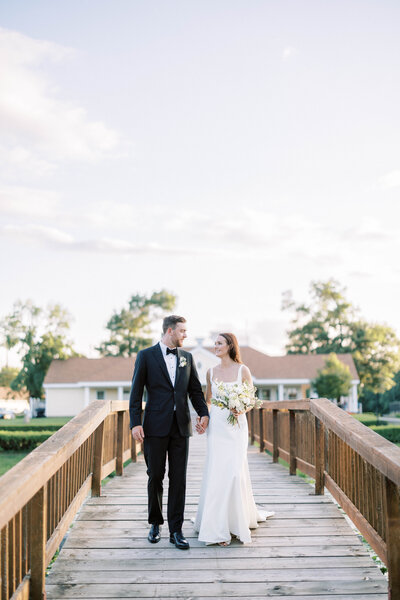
x=333 y=380
x=376 y=354
x=324 y=325
x=41 y=337
x=7 y=375
x=8 y=333
x=330 y=323
x=130 y=329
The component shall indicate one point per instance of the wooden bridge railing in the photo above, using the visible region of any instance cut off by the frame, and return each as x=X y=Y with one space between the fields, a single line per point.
x=40 y=496
x=359 y=467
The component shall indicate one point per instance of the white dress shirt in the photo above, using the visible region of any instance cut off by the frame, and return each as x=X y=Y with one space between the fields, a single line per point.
x=170 y=361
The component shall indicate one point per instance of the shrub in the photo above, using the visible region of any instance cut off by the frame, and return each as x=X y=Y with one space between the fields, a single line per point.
x=368 y=419
x=390 y=432
x=29 y=427
x=22 y=440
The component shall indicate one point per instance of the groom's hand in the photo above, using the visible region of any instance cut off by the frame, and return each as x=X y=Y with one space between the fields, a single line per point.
x=138 y=433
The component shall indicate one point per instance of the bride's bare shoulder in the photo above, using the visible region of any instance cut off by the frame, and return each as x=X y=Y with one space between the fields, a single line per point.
x=246 y=374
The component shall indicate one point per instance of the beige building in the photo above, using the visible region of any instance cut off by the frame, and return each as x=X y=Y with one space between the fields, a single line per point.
x=70 y=385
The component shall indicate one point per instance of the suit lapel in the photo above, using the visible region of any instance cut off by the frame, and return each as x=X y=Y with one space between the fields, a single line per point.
x=160 y=359
x=178 y=357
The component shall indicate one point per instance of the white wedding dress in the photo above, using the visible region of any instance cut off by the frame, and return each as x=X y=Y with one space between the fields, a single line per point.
x=226 y=503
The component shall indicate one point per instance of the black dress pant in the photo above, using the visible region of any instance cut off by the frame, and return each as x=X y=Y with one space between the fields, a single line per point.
x=156 y=450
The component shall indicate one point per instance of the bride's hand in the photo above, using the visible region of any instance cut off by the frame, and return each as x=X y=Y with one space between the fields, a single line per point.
x=236 y=413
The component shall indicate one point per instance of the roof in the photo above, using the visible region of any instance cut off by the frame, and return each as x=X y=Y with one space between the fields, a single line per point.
x=290 y=366
x=262 y=366
x=74 y=370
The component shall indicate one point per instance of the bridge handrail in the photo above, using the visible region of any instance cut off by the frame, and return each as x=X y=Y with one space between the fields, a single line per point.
x=359 y=467
x=40 y=496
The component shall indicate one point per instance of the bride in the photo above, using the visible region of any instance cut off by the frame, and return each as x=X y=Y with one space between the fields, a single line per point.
x=226 y=503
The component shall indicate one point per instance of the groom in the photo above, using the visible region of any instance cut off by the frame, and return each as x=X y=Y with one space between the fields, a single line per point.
x=169 y=375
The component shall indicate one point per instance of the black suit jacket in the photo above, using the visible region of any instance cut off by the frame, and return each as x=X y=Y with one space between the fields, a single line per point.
x=151 y=372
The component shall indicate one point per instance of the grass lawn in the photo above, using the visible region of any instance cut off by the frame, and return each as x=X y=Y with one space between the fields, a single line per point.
x=10 y=458
x=4 y=423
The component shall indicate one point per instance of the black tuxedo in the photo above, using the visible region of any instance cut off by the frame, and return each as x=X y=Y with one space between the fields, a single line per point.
x=167 y=426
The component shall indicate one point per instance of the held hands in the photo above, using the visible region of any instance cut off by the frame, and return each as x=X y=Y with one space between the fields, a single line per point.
x=201 y=424
x=138 y=433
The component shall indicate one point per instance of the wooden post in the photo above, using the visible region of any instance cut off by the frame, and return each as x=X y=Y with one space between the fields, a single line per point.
x=38 y=545
x=292 y=443
x=4 y=563
x=392 y=537
x=133 y=447
x=12 y=580
x=319 y=456
x=98 y=460
x=261 y=428
x=275 y=450
x=120 y=443
x=252 y=438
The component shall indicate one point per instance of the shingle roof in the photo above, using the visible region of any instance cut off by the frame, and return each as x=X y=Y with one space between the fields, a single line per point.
x=74 y=370
x=291 y=366
x=262 y=366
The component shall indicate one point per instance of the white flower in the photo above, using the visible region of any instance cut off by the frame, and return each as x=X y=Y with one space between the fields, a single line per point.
x=239 y=397
x=182 y=361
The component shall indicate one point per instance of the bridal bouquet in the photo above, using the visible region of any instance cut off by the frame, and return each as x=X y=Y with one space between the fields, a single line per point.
x=239 y=397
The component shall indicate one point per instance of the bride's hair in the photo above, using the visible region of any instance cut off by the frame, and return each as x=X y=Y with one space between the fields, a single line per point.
x=233 y=344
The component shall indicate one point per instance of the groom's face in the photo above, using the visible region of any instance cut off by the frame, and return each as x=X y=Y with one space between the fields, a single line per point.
x=178 y=334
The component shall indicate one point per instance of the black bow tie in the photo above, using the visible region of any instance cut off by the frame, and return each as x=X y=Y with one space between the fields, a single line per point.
x=171 y=351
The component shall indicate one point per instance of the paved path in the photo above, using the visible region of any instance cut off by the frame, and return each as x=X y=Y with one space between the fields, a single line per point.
x=307 y=551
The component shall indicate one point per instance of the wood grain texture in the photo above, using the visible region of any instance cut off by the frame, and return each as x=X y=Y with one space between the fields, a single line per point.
x=307 y=551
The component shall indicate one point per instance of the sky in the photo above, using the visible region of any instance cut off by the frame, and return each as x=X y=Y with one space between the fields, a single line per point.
x=224 y=150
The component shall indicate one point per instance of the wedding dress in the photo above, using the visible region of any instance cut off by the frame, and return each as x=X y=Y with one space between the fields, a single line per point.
x=226 y=503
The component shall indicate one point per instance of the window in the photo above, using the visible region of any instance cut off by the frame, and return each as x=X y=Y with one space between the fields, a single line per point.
x=100 y=395
x=292 y=394
x=264 y=394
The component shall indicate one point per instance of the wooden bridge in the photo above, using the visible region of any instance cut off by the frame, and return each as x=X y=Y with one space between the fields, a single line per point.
x=306 y=552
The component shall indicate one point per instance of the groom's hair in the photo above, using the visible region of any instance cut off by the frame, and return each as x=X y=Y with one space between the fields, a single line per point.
x=172 y=321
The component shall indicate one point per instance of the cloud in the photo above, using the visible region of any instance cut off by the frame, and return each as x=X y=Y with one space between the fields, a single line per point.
x=24 y=201
x=53 y=237
x=390 y=180
x=39 y=128
x=288 y=52
x=368 y=230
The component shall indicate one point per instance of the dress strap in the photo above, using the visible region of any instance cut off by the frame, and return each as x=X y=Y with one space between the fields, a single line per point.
x=211 y=374
x=239 y=377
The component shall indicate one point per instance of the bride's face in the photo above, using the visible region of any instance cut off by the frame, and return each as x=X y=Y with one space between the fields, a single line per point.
x=221 y=347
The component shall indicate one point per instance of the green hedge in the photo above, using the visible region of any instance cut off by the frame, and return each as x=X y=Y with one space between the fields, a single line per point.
x=369 y=419
x=23 y=440
x=390 y=432
x=29 y=427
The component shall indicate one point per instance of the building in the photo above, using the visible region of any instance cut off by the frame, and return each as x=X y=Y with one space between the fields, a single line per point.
x=70 y=385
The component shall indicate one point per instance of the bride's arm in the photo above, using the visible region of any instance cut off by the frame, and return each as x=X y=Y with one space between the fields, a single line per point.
x=208 y=388
x=199 y=428
x=246 y=376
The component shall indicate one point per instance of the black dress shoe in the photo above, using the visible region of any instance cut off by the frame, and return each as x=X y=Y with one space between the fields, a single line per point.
x=179 y=541
x=154 y=534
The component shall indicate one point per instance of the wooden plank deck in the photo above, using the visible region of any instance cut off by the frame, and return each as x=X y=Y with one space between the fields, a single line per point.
x=306 y=552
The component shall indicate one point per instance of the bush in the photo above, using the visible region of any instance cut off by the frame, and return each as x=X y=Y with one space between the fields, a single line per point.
x=23 y=440
x=29 y=427
x=367 y=419
x=390 y=432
